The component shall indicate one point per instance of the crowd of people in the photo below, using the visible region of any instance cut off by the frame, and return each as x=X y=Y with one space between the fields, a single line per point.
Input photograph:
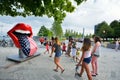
x=83 y=56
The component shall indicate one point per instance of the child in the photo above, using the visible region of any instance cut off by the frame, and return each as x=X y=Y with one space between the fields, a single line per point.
x=85 y=59
x=47 y=47
x=69 y=48
x=73 y=50
x=77 y=54
x=63 y=48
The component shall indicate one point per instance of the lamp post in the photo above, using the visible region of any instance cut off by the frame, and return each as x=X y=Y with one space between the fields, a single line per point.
x=103 y=35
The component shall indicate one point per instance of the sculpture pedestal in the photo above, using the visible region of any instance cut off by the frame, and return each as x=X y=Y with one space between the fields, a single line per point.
x=16 y=57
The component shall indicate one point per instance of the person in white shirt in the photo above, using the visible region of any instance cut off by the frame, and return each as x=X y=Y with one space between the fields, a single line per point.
x=85 y=59
x=116 y=45
x=95 y=54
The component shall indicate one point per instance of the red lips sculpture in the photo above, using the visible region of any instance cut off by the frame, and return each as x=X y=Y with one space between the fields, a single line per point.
x=21 y=35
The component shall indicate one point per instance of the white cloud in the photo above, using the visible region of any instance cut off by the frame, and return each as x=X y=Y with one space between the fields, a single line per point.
x=8 y=22
x=91 y=13
x=86 y=15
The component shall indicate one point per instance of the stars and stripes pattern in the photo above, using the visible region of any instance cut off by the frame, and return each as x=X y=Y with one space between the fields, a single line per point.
x=24 y=43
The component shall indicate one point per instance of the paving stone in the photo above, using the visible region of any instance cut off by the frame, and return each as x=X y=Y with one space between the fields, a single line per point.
x=41 y=67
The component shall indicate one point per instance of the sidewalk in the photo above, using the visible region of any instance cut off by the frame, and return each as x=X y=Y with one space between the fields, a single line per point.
x=41 y=67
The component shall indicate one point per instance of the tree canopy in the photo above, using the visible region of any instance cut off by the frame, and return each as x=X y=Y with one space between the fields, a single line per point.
x=115 y=25
x=108 y=31
x=104 y=30
x=43 y=31
x=57 y=29
x=52 y=8
x=72 y=33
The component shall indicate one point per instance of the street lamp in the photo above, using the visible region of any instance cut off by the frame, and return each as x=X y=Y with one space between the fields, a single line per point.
x=103 y=35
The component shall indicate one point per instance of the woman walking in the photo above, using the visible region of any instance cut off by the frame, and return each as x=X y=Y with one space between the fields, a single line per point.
x=57 y=49
x=86 y=58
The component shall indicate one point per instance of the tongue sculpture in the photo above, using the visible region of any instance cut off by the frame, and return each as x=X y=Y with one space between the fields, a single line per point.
x=21 y=35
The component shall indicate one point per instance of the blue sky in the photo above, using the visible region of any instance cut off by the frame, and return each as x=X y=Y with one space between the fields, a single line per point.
x=87 y=15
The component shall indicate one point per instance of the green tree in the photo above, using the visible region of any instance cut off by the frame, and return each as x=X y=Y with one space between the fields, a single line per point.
x=104 y=30
x=66 y=33
x=43 y=31
x=79 y=35
x=50 y=34
x=52 y=8
x=97 y=28
x=115 y=25
x=72 y=33
x=88 y=35
x=57 y=29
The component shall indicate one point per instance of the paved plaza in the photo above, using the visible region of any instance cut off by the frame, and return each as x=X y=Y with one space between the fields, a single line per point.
x=41 y=67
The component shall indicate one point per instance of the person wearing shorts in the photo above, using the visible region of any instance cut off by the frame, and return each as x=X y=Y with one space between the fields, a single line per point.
x=85 y=59
x=95 y=55
x=58 y=52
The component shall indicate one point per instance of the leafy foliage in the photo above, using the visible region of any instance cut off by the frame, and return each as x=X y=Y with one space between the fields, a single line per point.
x=108 y=31
x=79 y=1
x=57 y=29
x=104 y=30
x=44 y=32
x=52 y=8
x=115 y=25
x=72 y=33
